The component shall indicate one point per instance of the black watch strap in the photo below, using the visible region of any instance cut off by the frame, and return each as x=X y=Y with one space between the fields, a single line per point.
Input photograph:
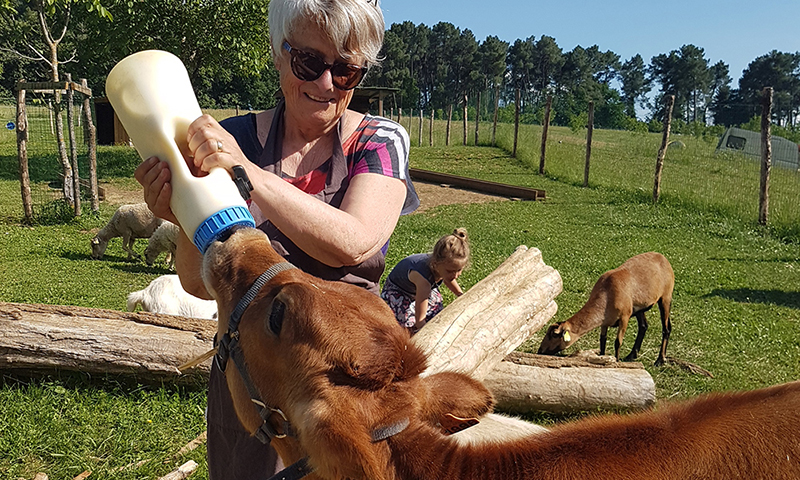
x=242 y=181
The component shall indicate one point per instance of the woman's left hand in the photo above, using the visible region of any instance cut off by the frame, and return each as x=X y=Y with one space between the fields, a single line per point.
x=212 y=146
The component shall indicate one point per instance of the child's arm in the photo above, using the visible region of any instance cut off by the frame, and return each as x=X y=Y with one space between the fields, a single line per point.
x=421 y=297
x=454 y=287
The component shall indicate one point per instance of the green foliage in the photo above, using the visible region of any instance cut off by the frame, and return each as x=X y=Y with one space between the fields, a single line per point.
x=579 y=122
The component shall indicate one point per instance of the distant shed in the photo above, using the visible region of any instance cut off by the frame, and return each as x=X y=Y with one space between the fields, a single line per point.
x=784 y=152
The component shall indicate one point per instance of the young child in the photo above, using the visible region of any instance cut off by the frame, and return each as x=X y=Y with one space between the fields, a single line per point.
x=412 y=287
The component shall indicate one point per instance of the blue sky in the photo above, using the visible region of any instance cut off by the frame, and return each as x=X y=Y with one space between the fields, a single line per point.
x=733 y=31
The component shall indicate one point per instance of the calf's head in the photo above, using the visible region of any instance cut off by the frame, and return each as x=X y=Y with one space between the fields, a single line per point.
x=332 y=358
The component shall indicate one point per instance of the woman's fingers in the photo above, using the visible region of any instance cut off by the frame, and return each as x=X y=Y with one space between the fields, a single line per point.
x=154 y=176
x=212 y=146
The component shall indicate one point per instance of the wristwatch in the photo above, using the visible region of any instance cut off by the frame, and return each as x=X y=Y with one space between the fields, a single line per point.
x=242 y=181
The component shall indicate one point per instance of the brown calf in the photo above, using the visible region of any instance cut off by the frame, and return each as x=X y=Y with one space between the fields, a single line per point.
x=619 y=294
x=333 y=359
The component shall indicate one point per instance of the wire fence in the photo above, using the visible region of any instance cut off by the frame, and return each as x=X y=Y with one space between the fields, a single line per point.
x=45 y=168
x=694 y=174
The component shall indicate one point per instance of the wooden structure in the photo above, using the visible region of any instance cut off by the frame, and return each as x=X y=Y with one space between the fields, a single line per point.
x=365 y=97
x=110 y=130
x=475 y=334
x=67 y=88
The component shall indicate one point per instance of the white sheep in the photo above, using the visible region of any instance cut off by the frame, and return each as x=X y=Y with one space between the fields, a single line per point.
x=130 y=222
x=166 y=295
x=164 y=239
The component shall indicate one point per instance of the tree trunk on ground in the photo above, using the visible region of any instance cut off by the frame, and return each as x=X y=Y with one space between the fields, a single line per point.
x=147 y=345
x=491 y=319
x=526 y=383
x=474 y=334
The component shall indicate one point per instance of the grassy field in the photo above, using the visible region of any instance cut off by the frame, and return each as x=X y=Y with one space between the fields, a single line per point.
x=736 y=311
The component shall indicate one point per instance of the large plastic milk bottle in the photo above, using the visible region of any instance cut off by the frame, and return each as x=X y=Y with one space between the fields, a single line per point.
x=153 y=98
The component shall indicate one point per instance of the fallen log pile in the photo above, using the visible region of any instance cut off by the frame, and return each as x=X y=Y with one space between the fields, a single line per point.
x=474 y=334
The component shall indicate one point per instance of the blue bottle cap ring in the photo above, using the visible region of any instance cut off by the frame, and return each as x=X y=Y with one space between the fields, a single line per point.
x=218 y=223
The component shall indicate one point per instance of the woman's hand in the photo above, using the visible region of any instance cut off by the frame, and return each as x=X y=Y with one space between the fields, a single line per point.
x=154 y=176
x=211 y=146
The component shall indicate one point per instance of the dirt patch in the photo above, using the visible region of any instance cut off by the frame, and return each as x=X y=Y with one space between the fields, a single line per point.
x=430 y=195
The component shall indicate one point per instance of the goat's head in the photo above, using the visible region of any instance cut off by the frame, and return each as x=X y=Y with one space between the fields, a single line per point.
x=557 y=338
x=98 y=247
x=332 y=358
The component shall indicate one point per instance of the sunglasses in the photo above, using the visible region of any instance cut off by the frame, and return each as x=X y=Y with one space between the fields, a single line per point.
x=308 y=67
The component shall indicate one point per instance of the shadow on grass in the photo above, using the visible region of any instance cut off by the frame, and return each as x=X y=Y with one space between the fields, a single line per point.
x=115 y=384
x=747 y=295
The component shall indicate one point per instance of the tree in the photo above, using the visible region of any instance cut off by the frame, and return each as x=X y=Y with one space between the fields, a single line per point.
x=778 y=70
x=37 y=31
x=492 y=54
x=634 y=83
x=685 y=74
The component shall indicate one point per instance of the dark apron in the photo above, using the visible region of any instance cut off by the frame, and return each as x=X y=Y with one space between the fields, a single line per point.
x=234 y=454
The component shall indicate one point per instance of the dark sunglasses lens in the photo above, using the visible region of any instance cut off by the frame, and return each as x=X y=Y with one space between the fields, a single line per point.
x=307 y=66
x=346 y=77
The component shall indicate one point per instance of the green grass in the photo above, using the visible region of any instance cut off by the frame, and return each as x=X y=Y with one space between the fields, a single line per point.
x=736 y=311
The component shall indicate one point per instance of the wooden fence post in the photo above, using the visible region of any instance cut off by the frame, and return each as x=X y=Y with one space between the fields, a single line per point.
x=545 y=127
x=22 y=153
x=766 y=154
x=477 y=115
x=663 y=150
x=73 y=149
x=589 y=130
x=419 y=133
x=496 y=109
x=91 y=130
x=516 y=122
x=465 y=120
x=430 y=128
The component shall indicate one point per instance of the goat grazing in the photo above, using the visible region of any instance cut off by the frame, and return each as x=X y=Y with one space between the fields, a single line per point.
x=620 y=294
x=330 y=359
x=164 y=239
x=166 y=295
x=130 y=222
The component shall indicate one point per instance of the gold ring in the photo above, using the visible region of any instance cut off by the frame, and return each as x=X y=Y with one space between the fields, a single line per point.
x=219 y=145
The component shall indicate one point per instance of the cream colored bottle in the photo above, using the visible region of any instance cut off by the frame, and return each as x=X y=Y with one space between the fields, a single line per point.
x=153 y=98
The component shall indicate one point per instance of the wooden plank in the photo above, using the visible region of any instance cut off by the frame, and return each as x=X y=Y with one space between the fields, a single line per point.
x=47 y=87
x=482 y=186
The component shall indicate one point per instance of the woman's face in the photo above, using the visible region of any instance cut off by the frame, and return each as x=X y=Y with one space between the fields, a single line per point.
x=314 y=104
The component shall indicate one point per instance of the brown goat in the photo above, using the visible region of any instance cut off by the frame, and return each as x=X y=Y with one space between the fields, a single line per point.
x=333 y=359
x=627 y=291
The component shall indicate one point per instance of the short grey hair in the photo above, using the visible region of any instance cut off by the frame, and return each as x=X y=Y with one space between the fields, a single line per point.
x=355 y=27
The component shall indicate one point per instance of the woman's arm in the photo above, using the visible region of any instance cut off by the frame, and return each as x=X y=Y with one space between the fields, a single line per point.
x=335 y=236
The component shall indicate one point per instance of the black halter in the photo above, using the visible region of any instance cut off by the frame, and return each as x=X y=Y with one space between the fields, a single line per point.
x=228 y=347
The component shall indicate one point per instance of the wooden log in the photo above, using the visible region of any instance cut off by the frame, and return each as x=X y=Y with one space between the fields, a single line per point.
x=477 y=330
x=181 y=472
x=527 y=383
x=149 y=346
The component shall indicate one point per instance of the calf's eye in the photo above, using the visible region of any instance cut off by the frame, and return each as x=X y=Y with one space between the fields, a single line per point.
x=276 y=316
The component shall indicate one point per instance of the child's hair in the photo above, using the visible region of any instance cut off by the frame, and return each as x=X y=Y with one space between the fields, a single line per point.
x=451 y=247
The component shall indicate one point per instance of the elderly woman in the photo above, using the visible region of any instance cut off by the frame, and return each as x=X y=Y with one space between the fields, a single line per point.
x=328 y=183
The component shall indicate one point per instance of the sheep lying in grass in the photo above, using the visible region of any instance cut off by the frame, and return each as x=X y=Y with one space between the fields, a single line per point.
x=166 y=295
x=163 y=240
x=130 y=222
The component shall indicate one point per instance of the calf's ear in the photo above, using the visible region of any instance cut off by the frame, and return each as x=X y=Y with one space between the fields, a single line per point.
x=454 y=394
x=387 y=357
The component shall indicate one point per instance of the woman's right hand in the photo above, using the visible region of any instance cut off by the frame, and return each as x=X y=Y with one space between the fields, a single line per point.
x=154 y=176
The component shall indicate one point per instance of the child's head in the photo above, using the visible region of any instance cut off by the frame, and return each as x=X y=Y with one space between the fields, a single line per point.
x=451 y=254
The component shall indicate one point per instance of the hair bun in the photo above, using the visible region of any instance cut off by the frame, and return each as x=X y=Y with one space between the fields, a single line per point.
x=460 y=233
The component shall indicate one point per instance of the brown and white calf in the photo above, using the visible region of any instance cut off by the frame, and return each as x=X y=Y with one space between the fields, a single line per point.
x=619 y=294
x=334 y=360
